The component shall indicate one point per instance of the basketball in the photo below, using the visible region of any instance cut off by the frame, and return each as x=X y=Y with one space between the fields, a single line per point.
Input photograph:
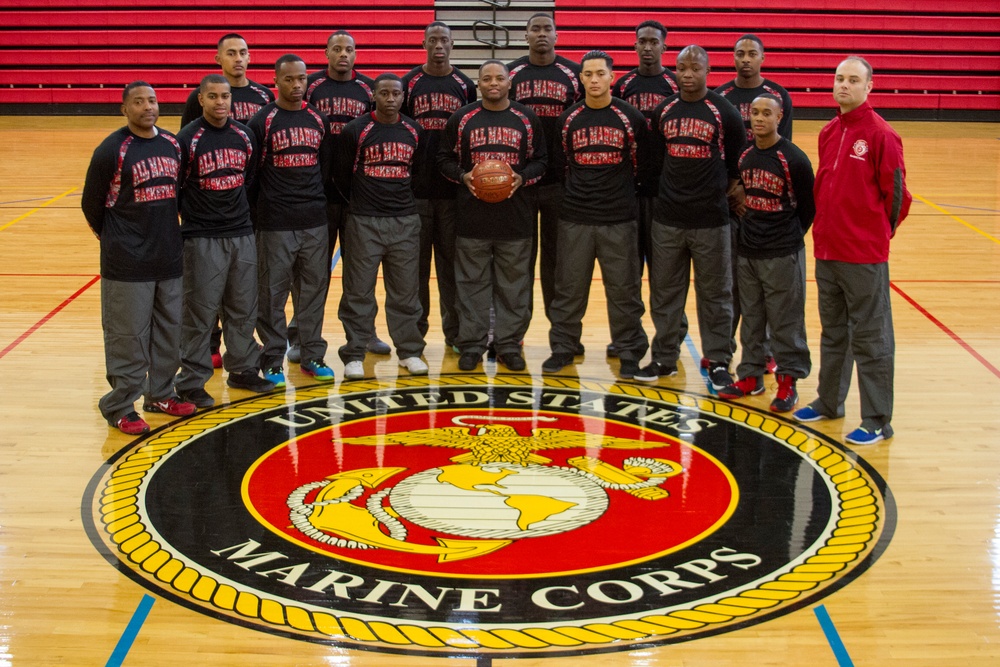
x=493 y=180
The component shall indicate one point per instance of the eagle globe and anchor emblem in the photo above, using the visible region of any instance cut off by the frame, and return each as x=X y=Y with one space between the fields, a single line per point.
x=498 y=491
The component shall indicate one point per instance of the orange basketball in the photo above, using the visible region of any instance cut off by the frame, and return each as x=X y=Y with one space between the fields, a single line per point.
x=493 y=180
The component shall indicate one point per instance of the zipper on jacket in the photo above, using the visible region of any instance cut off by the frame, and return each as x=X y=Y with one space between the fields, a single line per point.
x=840 y=148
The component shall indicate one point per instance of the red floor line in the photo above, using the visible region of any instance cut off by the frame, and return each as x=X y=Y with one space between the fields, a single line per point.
x=958 y=339
x=45 y=275
x=48 y=317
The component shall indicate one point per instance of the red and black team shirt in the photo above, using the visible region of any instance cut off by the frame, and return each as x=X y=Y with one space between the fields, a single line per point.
x=604 y=151
x=217 y=164
x=780 y=205
x=646 y=93
x=375 y=165
x=431 y=100
x=247 y=101
x=548 y=90
x=130 y=201
x=514 y=136
x=293 y=165
x=702 y=142
x=742 y=98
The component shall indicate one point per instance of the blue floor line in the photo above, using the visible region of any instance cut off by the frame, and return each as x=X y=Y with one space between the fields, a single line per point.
x=832 y=637
x=336 y=258
x=689 y=342
x=131 y=631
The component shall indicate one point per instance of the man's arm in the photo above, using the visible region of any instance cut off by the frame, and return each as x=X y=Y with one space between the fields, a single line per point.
x=892 y=180
x=449 y=159
x=96 y=186
x=803 y=182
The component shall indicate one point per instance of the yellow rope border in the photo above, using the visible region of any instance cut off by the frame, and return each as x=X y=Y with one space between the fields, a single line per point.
x=857 y=527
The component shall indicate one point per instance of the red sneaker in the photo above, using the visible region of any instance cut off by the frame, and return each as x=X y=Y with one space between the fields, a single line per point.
x=171 y=406
x=786 y=397
x=770 y=366
x=131 y=424
x=216 y=359
x=748 y=386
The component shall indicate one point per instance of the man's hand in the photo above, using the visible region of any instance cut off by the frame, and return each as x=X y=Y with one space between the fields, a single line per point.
x=518 y=182
x=736 y=196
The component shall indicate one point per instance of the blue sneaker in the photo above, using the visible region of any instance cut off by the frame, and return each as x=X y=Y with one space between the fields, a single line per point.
x=808 y=414
x=318 y=369
x=864 y=436
x=275 y=376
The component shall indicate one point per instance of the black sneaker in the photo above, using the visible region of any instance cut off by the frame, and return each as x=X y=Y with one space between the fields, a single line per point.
x=654 y=371
x=628 y=369
x=491 y=352
x=719 y=376
x=198 y=396
x=751 y=385
x=512 y=360
x=557 y=362
x=250 y=380
x=580 y=350
x=377 y=346
x=612 y=351
x=468 y=361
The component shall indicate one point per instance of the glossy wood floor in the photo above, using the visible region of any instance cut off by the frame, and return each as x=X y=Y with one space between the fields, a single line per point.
x=933 y=598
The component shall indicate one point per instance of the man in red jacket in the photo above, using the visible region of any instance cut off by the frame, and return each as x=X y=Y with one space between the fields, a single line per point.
x=861 y=198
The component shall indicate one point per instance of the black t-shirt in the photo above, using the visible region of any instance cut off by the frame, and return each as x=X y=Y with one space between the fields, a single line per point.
x=548 y=90
x=702 y=143
x=646 y=93
x=294 y=163
x=742 y=98
x=514 y=136
x=431 y=100
x=375 y=165
x=602 y=150
x=130 y=201
x=217 y=164
x=247 y=100
x=780 y=205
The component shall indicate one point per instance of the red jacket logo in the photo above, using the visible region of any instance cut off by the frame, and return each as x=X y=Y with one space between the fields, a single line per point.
x=860 y=148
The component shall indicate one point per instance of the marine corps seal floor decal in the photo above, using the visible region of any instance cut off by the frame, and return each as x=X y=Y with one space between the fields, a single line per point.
x=506 y=516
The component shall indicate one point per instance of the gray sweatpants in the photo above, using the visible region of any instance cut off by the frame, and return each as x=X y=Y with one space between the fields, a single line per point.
x=394 y=243
x=220 y=276
x=437 y=240
x=674 y=251
x=498 y=274
x=856 y=315
x=773 y=294
x=282 y=257
x=614 y=248
x=142 y=325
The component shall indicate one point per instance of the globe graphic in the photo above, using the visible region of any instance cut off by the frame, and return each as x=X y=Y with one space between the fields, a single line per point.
x=499 y=500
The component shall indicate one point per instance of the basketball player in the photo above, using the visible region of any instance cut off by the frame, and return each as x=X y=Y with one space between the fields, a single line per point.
x=376 y=153
x=342 y=94
x=220 y=254
x=434 y=91
x=602 y=143
x=248 y=97
x=771 y=258
x=703 y=135
x=547 y=84
x=291 y=222
x=130 y=202
x=494 y=241
x=861 y=198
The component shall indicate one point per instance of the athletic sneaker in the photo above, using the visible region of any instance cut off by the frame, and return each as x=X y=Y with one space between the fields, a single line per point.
x=251 y=381
x=275 y=376
x=354 y=370
x=864 y=436
x=557 y=362
x=294 y=354
x=612 y=351
x=415 y=365
x=131 y=424
x=378 y=346
x=786 y=397
x=199 y=397
x=216 y=359
x=512 y=360
x=318 y=369
x=770 y=366
x=808 y=414
x=719 y=376
x=468 y=361
x=171 y=406
x=748 y=386
x=627 y=369
x=580 y=350
x=654 y=371
x=705 y=363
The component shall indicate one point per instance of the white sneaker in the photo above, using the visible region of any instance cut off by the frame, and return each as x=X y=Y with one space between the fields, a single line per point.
x=415 y=365
x=354 y=370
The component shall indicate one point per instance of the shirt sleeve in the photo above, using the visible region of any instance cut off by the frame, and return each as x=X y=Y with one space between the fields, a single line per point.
x=96 y=186
x=892 y=179
x=803 y=181
x=536 y=166
x=785 y=126
x=735 y=140
x=449 y=157
x=192 y=108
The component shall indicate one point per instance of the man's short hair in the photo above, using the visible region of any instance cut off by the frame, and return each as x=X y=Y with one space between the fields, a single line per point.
x=230 y=35
x=287 y=58
x=494 y=61
x=864 y=63
x=436 y=24
x=753 y=38
x=210 y=79
x=129 y=87
x=337 y=33
x=652 y=24
x=537 y=15
x=770 y=96
x=386 y=76
x=597 y=54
